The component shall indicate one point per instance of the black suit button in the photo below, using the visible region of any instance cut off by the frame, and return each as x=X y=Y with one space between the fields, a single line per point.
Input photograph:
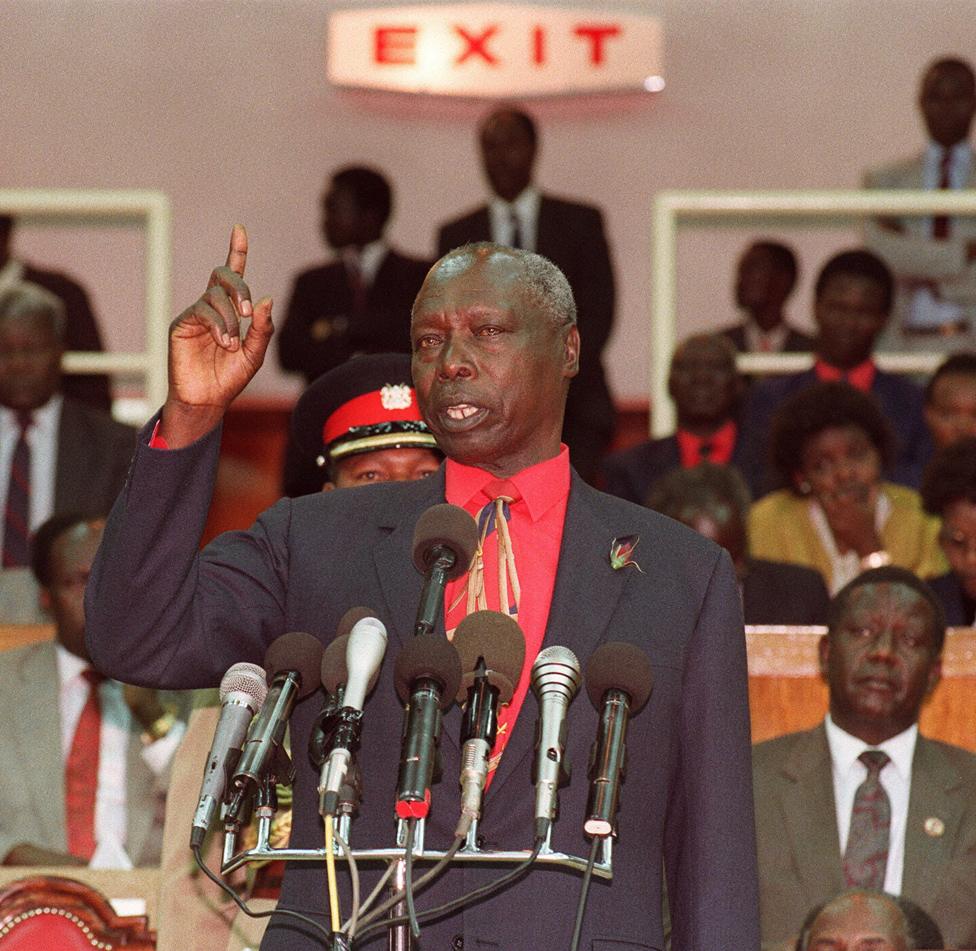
x=457 y=942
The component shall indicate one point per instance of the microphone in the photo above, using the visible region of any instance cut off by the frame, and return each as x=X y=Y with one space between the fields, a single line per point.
x=427 y=674
x=292 y=662
x=365 y=647
x=492 y=650
x=619 y=682
x=242 y=693
x=444 y=542
x=555 y=681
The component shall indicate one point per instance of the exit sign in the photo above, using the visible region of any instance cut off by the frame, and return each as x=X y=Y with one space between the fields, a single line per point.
x=493 y=49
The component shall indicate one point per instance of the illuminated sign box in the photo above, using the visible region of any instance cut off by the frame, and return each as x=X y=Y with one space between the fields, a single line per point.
x=492 y=49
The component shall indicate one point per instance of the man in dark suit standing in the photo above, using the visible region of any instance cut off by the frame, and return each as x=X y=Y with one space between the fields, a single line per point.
x=853 y=297
x=495 y=344
x=57 y=455
x=706 y=389
x=863 y=800
x=360 y=302
x=764 y=280
x=572 y=236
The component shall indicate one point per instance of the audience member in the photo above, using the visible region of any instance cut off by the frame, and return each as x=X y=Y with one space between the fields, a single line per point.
x=934 y=258
x=706 y=390
x=950 y=400
x=81 y=328
x=862 y=919
x=357 y=424
x=56 y=454
x=863 y=800
x=852 y=302
x=765 y=278
x=830 y=443
x=572 y=236
x=714 y=501
x=360 y=302
x=949 y=492
x=86 y=758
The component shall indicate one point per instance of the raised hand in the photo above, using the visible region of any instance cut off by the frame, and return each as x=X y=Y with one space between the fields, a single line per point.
x=210 y=361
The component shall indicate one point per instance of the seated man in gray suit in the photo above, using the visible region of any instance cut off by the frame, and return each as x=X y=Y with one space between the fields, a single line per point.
x=56 y=455
x=863 y=800
x=934 y=258
x=86 y=758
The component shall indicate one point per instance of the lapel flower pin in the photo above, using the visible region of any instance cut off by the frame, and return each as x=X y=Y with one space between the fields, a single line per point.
x=622 y=552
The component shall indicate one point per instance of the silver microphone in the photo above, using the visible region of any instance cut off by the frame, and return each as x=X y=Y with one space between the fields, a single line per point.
x=556 y=678
x=242 y=693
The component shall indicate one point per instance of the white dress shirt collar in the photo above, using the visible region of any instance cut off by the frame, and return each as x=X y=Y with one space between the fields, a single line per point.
x=368 y=260
x=525 y=208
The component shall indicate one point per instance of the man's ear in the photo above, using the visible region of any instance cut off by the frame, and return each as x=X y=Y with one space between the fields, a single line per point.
x=44 y=600
x=571 y=352
x=935 y=675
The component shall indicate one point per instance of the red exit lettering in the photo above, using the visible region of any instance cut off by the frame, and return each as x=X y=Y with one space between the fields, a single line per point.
x=395 y=45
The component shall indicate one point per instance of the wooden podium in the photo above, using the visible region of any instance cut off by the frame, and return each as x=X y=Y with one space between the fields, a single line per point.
x=786 y=692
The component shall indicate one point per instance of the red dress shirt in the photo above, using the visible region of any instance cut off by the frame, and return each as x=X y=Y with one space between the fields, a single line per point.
x=720 y=443
x=536 y=527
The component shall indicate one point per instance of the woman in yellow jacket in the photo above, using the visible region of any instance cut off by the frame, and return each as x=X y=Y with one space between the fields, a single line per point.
x=829 y=443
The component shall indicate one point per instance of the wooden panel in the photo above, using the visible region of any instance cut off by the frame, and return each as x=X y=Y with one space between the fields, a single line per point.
x=786 y=692
x=17 y=635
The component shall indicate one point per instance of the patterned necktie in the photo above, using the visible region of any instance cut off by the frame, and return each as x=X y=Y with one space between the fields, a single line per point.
x=493 y=521
x=81 y=773
x=16 y=519
x=940 y=223
x=357 y=287
x=517 y=240
x=866 y=856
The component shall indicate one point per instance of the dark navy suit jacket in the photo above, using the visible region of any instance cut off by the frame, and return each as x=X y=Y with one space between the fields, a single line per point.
x=949 y=592
x=630 y=473
x=161 y=612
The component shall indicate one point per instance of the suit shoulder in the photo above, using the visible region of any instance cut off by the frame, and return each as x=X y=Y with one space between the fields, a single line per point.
x=639 y=453
x=767 y=755
x=963 y=760
x=570 y=206
x=894 y=174
x=78 y=413
x=463 y=221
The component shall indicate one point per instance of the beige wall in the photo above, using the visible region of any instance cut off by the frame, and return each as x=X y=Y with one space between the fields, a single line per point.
x=224 y=106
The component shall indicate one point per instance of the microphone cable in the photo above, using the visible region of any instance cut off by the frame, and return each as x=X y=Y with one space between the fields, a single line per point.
x=476 y=895
x=408 y=876
x=286 y=912
x=424 y=880
x=584 y=894
x=330 y=874
x=350 y=927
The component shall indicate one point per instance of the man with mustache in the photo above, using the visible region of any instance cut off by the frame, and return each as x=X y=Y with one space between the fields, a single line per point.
x=863 y=800
x=495 y=345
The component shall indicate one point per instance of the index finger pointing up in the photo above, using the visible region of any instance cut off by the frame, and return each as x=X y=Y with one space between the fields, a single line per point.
x=237 y=253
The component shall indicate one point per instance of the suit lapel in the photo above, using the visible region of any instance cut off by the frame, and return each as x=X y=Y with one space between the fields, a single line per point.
x=400 y=581
x=810 y=816
x=40 y=740
x=935 y=812
x=574 y=622
x=69 y=448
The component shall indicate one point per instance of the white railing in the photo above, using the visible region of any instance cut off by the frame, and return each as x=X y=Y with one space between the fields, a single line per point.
x=151 y=210
x=673 y=208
